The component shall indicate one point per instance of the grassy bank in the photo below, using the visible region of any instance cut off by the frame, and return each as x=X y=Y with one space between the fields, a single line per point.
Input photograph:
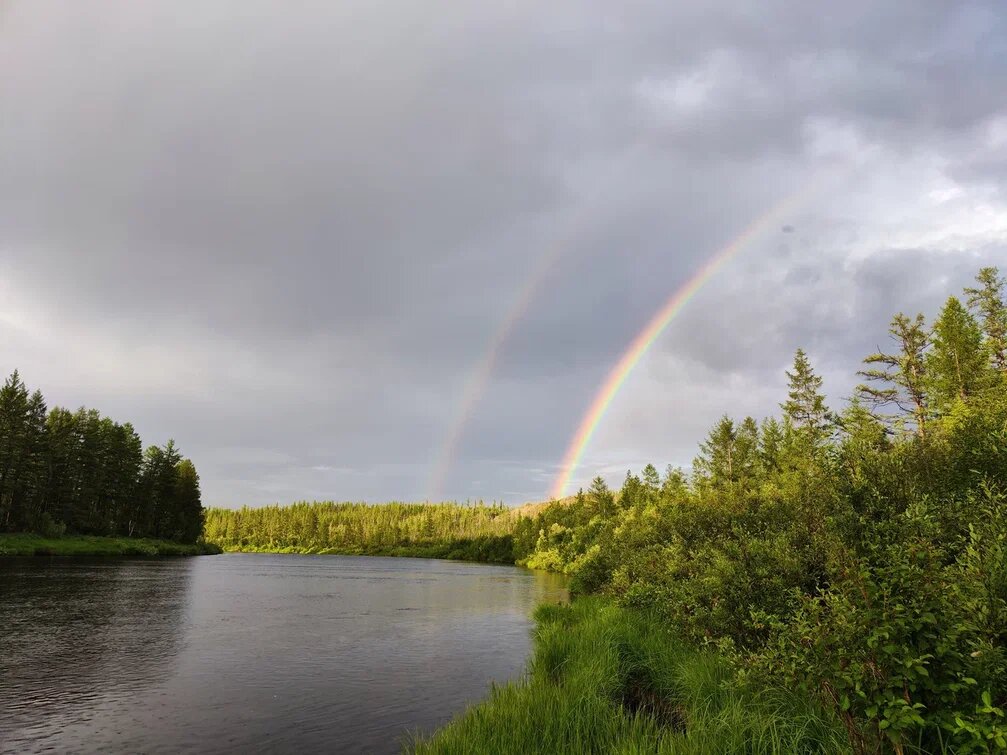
x=492 y=550
x=21 y=544
x=608 y=680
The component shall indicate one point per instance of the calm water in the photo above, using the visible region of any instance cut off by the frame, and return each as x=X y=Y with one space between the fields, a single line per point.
x=253 y=652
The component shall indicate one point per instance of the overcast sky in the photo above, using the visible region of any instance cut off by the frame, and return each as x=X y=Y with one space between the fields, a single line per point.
x=285 y=234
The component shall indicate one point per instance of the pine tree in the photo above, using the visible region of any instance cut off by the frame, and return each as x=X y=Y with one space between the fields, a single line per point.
x=651 y=479
x=987 y=300
x=957 y=365
x=675 y=485
x=805 y=406
x=902 y=375
x=746 y=450
x=772 y=437
x=716 y=462
x=599 y=498
x=189 y=507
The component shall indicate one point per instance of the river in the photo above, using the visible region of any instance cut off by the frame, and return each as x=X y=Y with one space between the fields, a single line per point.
x=253 y=652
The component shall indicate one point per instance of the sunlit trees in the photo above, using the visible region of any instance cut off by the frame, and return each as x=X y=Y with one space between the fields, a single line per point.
x=867 y=567
x=445 y=530
x=805 y=404
x=987 y=300
x=958 y=362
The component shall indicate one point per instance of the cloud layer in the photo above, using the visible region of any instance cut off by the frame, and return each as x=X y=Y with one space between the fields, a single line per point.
x=286 y=239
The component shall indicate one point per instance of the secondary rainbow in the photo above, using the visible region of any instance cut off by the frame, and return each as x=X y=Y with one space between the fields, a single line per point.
x=646 y=338
x=480 y=376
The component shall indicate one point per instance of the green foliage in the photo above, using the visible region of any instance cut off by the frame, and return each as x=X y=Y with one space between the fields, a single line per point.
x=860 y=559
x=957 y=365
x=604 y=679
x=445 y=530
x=805 y=404
x=79 y=472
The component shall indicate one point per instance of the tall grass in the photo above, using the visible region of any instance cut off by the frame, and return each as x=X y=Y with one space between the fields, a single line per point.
x=604 y=679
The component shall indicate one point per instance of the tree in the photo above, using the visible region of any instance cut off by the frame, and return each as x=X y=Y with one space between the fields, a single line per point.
x=902 y=375
x=716 y=460
x=22 y=438
x=805 y=405
x=599 y=498
x=189 y=508
x=987 y=300
x=957 y=365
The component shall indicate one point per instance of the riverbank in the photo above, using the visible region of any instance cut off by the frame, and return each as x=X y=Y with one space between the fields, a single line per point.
x=607 y=679
x=23 y=544
x=487 y=550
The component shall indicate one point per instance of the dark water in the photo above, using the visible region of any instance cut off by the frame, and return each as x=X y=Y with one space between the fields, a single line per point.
x=243 y=653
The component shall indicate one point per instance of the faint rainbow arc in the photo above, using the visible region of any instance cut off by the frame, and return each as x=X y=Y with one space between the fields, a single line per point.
x=650 y=333
x=475 y=386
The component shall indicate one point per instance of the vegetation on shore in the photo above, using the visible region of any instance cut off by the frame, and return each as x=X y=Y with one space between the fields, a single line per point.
x=470 y=533
x=607 y=679
x=486 y=549
x=26 y=544
x=858 y=557
x=79 y=473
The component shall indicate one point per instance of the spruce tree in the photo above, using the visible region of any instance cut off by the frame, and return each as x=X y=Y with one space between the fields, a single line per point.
x=957 y=365
x=805 y=405
x=716 y=462
x=987 y=300
x=188 y=504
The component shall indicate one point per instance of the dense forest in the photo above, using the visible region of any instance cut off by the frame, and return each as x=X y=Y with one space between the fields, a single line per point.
x=79 y=472
x=859 y=555
x=477 y=532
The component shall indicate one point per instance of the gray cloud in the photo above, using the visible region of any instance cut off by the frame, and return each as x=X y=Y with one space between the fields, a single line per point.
x=286 y=238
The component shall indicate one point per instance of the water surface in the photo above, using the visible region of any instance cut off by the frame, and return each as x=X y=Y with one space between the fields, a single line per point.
x=249 y=652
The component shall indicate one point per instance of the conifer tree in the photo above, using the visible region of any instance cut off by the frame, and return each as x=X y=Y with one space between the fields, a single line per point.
x=599 y=498
x=716 y=461
x=651 y=479
x=805 y=405
x=771 y=440
x=746 y=450
x=987 y=300
x=902 y=375
x=957 y=365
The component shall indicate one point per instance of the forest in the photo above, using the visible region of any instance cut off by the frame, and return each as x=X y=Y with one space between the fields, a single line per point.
x=77 y=472
x=476 y=532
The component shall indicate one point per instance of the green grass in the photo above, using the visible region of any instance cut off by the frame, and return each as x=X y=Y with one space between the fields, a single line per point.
x=22 y=544
x=608 y=680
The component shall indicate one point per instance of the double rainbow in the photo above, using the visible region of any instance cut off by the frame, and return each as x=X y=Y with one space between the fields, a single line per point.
x=646 y=338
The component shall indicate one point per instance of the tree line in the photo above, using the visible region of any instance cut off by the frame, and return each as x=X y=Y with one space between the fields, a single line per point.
x=79 y=472
x=478 y=532
x=859 y=554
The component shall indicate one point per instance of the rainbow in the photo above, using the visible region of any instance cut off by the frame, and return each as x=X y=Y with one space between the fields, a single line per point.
x=480 y=376
x=646 y=338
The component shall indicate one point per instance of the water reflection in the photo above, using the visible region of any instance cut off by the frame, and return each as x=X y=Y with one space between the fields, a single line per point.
x=253 y=652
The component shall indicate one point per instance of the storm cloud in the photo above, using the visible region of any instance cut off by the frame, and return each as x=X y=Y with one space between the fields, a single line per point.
x=286 y=235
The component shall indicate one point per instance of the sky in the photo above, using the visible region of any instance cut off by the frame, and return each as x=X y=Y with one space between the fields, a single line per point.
x=287 y=234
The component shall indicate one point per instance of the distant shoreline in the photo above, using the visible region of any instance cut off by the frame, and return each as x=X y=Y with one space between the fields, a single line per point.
x=21 y=545
x=454 y=551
